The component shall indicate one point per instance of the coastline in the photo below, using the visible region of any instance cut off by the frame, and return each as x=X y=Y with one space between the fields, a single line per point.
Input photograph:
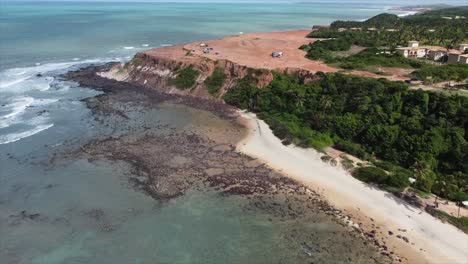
x=409 y=231
x=166 y=169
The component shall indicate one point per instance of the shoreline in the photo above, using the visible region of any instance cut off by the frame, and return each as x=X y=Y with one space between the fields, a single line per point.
x=167 y=168
x=409 y=231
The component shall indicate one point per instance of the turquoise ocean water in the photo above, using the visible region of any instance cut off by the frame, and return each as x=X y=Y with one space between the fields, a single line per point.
x=39 y=32
x=38 y=112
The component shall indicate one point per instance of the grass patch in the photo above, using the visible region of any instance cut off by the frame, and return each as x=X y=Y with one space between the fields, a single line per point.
x=186 y=78
x=346 y=162
x=371 y=174
x=136 y=61
x=436 y=73
x=325 y=158
x=215 y=81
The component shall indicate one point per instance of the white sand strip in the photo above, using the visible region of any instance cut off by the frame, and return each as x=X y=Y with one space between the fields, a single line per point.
x=440 y=242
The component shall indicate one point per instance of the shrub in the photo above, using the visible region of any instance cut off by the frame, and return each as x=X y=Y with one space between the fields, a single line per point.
x=136 y=61
x=326 y=158
x=456 y=72
x=346 y=162
x=185 y=78
x=371 y=174
x=399 y=178
x=351 y=148
x=215 y=81
x=242 y=94
x=385 y=165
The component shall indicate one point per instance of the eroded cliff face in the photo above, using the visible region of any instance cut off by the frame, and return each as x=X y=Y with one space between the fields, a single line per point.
x=157 y=70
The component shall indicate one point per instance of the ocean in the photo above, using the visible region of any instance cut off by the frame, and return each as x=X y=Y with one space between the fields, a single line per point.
x=45 y=207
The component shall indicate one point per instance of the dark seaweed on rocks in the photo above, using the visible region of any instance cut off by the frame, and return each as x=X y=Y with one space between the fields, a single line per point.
x=167 y=165
x=88 y=77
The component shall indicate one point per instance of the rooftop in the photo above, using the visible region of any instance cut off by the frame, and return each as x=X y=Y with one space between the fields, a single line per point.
x=431 y=48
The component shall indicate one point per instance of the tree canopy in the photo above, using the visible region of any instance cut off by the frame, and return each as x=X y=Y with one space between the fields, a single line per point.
x=421 y=132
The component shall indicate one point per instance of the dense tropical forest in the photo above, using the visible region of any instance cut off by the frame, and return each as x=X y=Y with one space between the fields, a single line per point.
x=404 y=133
x=380 y=35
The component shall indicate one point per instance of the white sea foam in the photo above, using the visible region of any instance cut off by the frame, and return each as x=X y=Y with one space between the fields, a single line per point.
x=76 y=59
x=408 y=13
x=41 y=102
x=18 y=93
x=11 y=78
x=14 y=109
x=145 y=45
x=128 y=48
x=11 y=82
x=166 y=45
x=45 y=85
x=20 y=73
x=13 y=137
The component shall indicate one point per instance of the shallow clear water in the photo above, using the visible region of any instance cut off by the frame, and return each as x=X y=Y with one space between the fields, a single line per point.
x=87 y=211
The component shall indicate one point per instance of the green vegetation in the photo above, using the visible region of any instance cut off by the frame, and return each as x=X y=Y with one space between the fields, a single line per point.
x=383 y=33
x=346 y=162
x=371 y=174
x=136 y=61
x=377 y=57
x=457 y=72
x=430 y=28
x=322 y=50
x=395 y=177
x=215 y=81
x=133 y=62
x=417 y=133
x=185 y=78
x=460 y=222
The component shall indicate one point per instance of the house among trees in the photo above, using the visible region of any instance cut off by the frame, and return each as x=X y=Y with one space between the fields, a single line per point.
x=435 y=53
x=464 y=47
x=458 y=58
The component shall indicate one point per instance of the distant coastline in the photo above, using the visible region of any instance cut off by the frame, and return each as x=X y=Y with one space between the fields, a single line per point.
x=419 y=8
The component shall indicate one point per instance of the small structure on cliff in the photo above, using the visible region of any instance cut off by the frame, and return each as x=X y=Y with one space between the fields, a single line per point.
x=275 y=54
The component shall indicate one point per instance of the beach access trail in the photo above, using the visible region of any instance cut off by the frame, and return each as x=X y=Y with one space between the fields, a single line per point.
x=428 y=239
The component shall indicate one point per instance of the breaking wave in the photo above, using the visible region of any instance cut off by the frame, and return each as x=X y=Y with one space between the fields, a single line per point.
x=25 y=99
x=13 y=137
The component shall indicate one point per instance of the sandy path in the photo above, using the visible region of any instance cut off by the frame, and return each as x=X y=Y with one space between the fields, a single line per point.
x=430 y=240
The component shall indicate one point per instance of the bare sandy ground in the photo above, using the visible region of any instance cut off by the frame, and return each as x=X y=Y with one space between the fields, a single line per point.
x=429 y=240
x=254 y=50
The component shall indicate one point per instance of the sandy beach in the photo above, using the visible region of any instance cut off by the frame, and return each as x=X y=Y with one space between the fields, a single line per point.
x=408 y=231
